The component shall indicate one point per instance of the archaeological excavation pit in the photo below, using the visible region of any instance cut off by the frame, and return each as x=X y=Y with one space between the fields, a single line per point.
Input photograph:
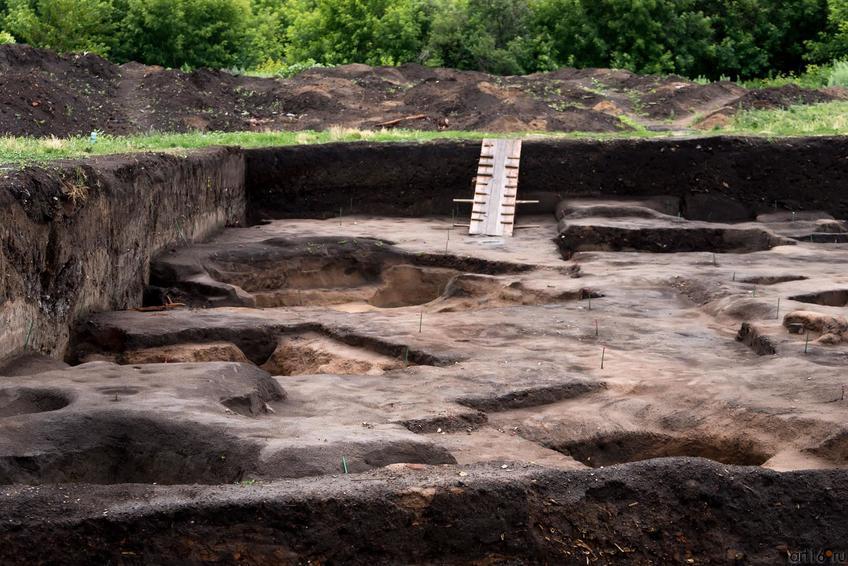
x=300 y=354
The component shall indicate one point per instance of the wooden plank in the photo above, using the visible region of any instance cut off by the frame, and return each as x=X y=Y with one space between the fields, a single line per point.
x=499 y=160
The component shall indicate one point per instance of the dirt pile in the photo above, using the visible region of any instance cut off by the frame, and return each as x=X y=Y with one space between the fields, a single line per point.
x=43 y=94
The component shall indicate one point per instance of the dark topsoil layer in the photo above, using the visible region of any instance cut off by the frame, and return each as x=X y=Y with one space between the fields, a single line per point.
x=668 y=511
x=44 y=94
x=719 y=179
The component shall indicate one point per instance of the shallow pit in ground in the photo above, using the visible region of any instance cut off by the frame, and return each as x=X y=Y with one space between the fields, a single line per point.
x=25 y=400
x=663 y=238
x=311 y=271
x=291 y=353
x=771 y=279
x=631 y=446
x=831 y=298
x=396 y=286
x=313 y=353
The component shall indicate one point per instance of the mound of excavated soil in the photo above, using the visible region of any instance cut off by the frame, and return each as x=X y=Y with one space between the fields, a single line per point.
x=42 y=94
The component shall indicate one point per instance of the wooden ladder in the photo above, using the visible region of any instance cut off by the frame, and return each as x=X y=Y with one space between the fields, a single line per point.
x=495 y=189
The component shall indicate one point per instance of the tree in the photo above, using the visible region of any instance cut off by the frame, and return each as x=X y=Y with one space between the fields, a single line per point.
x=646 y=36
x=377 y=32
x=267 y=32
x=831 y=43
x=62 y=25
x=196 y=33
x=756 y=37
x=487 y=35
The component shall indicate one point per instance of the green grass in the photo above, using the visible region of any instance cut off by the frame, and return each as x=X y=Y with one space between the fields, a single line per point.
x=830 y=118
x=23 y=150
x=815 y=76
x=820 y=119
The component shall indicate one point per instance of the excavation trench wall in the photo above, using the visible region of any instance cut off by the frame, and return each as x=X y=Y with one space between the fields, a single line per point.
x=666 y=511
x=77 y=237
x=720 y=178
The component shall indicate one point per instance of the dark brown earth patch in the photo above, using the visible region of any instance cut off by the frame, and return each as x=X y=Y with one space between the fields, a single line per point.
x=630 y=446
x=752 y=336
x=576 y=238
x=532 y=397
x=107 y=448
x=771 y=279
x=462 y=422
x=831 y=298
x=660 y=511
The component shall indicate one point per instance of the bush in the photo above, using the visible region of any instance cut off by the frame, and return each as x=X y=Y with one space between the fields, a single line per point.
x=839 y=74
x=267 y=32
x=193 y=33
x=832 y=42
x=488 y=35
x=815 y=76
x=753 y=38
x=653 y=36
x=63 y=25
x=277 y=68
x=337 y=32
x=6 y=37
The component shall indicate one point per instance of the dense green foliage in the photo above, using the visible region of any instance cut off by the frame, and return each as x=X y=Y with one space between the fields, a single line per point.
x=211 y=33
x=62 y=25
x=740 y=39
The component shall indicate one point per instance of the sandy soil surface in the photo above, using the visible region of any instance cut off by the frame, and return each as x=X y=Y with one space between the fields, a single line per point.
x=44 y=94
x=495 y=349
x=421 y=373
